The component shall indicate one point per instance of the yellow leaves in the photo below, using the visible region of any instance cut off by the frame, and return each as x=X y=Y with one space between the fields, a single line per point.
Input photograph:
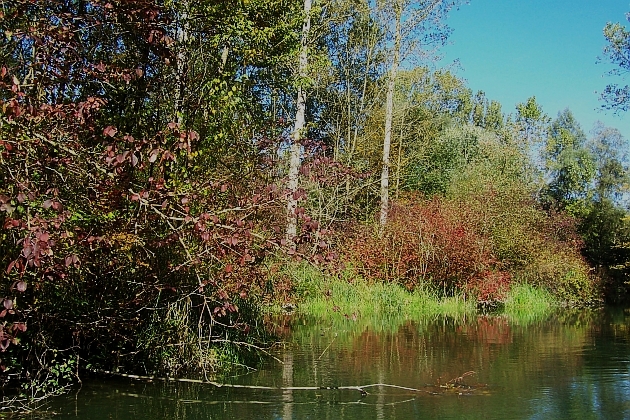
x=123 y=241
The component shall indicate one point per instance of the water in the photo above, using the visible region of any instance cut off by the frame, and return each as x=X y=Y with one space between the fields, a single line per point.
x=572 y=365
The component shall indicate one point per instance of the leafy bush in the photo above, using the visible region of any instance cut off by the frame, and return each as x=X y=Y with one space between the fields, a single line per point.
x=424 y=239
x=479 y=244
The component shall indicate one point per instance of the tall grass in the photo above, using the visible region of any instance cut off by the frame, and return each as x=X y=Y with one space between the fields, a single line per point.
x=526 y=304
x=320 y=295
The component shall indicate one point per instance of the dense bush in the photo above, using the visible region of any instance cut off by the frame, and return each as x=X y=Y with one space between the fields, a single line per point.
x=466 y=247
x=425 y=240
x=133 y=226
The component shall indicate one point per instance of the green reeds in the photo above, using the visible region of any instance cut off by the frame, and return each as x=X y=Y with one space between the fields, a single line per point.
x=351 y=296
x=526 y=304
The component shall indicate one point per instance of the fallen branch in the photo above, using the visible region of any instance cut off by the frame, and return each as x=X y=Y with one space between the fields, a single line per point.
x=360 y=388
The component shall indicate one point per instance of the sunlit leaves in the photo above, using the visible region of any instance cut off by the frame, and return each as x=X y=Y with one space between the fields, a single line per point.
x=617 y=97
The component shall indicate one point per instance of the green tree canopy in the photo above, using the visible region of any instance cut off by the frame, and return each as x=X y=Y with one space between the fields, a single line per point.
x=617 y=97
x=570 y=165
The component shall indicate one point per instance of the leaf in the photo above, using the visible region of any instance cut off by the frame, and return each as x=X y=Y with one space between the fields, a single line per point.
x=134 y=160
x=27 y=251
x=19 y=327
x=7 y=207
x=10 y=266
x=20 y=286
x=47 y=204
x=8 y=304
x=110 y=131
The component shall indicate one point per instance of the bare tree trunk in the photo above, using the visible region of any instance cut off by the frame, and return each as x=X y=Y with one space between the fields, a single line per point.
x=224 y=57
x=389 y=112
x=399 y=163
x=294 y=162
x=181 y=65
x=371 y=45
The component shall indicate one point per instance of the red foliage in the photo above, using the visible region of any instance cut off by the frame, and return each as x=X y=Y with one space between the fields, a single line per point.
x=490 y=286
x=424 y=239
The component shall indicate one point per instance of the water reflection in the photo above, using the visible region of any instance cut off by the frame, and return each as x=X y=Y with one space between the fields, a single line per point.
x=572 y=365
x=287 y=382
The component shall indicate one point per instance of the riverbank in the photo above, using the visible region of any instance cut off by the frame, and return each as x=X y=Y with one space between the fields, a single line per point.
x=317 y=294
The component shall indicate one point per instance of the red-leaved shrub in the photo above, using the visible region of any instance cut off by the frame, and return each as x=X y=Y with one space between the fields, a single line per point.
x=423 y=240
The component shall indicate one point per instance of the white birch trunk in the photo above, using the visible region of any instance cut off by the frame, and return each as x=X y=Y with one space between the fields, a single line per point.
x=298 y=128
x=389 y=112
x=181 y=63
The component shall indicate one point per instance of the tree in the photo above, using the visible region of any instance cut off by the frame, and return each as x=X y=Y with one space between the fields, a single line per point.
x=115 y=188
x=531 y=122
x=389 y=111
x=354 y=87
x=617 y=51
x=570 y=165
x=609 y=149
x=412 y=26
x=298 y=127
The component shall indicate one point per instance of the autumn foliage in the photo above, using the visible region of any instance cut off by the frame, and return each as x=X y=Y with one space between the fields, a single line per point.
x=142 y=186
x=114 y=211
x=460 y=247
x=425 y=240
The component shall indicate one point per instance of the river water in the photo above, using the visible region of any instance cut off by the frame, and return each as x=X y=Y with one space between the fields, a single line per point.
x=569 y=365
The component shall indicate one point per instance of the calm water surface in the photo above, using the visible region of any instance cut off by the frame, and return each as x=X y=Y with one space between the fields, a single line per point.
x=572 y=365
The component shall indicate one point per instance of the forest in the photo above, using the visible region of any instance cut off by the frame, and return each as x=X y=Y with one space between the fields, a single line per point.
x=164 y=166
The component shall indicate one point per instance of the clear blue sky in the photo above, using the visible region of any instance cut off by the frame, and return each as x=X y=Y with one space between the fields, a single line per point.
x=514 y=49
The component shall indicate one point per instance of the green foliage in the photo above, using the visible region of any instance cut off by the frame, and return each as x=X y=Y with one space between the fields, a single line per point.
x=617 y=97
x=353 y=297
x=610 y=151
x=525 y=303
x=135 y=176
x=141 y=170
x=569 y=164
x=606 y=232
x=443 y=158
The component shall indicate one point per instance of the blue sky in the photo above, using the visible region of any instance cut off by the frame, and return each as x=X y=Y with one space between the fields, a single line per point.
x=514 y=49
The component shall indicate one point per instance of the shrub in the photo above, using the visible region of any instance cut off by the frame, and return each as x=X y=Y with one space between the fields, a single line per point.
x=424 y=239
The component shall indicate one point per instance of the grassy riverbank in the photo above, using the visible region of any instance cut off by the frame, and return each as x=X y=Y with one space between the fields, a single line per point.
x=350 y=296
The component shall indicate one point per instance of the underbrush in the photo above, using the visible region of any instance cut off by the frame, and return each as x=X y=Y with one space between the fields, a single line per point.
x=465 y=246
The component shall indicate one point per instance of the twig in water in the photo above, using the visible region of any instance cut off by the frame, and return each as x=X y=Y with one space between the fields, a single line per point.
x=327 y=347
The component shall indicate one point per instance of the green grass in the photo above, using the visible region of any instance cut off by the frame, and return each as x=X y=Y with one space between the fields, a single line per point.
x=350 y=296
x=526 y=304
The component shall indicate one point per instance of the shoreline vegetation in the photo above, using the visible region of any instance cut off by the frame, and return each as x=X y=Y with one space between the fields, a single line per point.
x=318 y=295
x=172 y=172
